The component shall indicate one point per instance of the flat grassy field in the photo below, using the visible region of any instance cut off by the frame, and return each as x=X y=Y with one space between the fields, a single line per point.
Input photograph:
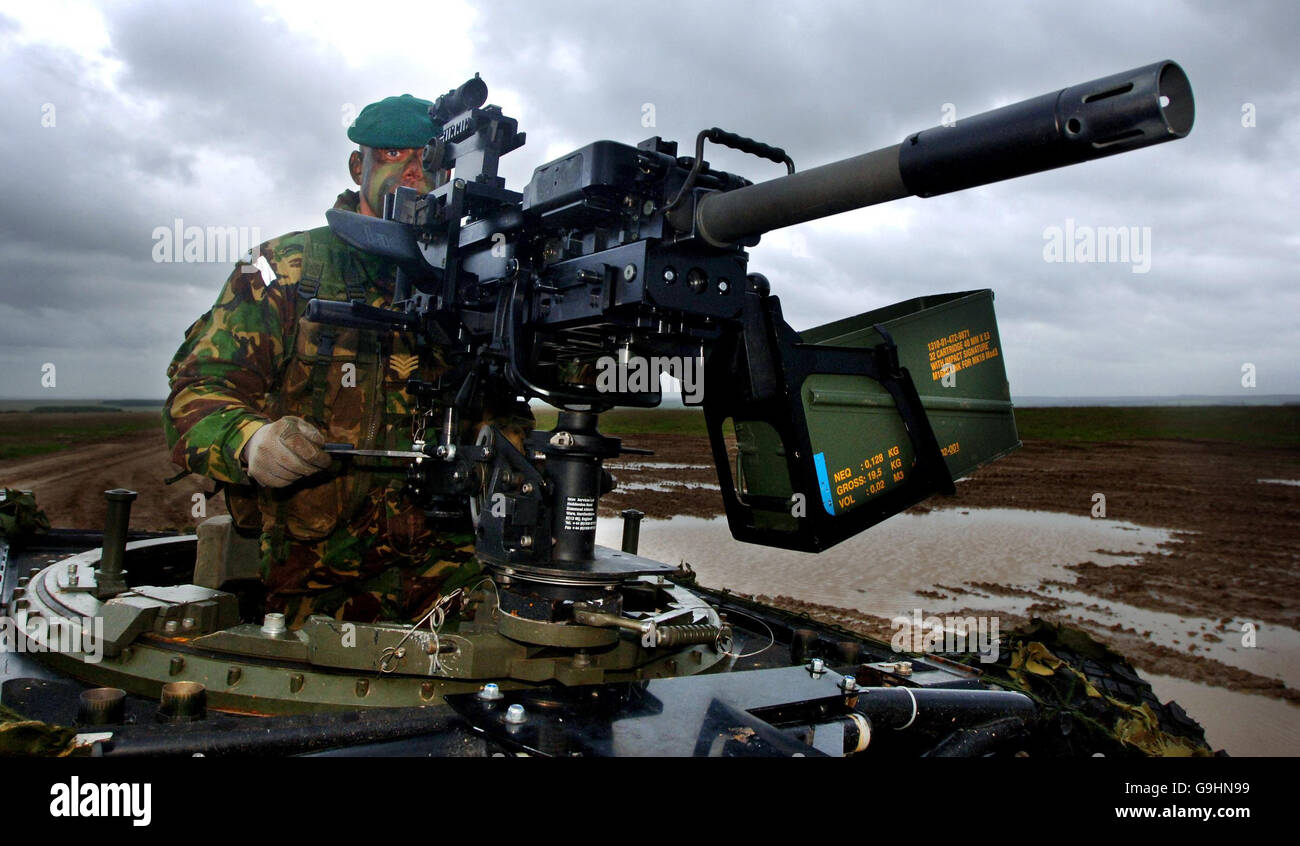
x=38 y=432
x=26 y=434
x=1260 y=425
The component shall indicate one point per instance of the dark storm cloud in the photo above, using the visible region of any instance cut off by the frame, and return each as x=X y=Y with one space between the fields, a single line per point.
x=226 y=116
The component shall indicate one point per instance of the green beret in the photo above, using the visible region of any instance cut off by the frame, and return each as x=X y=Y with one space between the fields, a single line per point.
x=397 y=123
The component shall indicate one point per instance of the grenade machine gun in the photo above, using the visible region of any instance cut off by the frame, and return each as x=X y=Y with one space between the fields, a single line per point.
x=616 y=251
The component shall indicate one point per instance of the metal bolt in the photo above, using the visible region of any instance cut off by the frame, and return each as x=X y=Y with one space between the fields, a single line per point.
x=698 y=280
x=515 y=714
x=527 y=488
x=526 y=541
x=648 y=208
x=273 y=624
x=171 y=626
x=723 y=286
x=670 y=275
x=849 y=684
x=490 y=692
x=188 y=623
x=817 y=665
x=629 y=272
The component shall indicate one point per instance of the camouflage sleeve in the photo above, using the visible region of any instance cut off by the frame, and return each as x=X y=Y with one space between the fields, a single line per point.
x=220 y=377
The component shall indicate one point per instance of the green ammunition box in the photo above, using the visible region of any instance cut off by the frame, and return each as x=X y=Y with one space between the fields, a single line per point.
x=949 y=344
x=859 y=448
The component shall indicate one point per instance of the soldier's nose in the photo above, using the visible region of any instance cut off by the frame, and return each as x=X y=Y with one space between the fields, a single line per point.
x=413 y=174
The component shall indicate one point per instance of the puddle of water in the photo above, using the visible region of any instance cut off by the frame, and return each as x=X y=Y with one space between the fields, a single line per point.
x=1276 y=653
x=1240 y=723
x=880 y=570
x=1279 y=481
x=654 y=465
x=665 y=487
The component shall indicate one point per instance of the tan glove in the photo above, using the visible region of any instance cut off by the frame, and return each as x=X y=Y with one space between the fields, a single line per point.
x=282 y=452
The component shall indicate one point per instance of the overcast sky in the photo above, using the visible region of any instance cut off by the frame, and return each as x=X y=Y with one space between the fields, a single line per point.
x=123 y=117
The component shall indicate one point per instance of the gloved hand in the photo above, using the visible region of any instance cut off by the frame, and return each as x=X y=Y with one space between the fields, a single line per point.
x=282 y=452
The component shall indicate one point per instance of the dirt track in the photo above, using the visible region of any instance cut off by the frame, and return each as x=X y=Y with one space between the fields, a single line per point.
x=1240 y=550
x=70 y=484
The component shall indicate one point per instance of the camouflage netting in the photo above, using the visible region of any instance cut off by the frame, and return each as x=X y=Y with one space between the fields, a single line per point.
x=21 y=736
x=1091 y=699
x=20 y=519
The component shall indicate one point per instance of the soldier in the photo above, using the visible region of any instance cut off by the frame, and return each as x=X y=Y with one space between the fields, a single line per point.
x=257 y=390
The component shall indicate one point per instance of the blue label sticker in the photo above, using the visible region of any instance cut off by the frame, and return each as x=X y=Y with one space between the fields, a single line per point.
x=824 y=482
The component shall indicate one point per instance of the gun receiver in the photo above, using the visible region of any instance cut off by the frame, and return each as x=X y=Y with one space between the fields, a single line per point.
x=616 y=252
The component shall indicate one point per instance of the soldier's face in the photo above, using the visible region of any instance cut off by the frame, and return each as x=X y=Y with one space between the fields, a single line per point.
x=383 y=171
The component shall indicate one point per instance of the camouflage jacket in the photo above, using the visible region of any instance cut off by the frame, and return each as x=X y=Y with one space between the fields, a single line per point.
x=253 y=358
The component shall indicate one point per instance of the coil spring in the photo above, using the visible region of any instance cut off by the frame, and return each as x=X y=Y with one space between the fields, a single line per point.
x=688 y=635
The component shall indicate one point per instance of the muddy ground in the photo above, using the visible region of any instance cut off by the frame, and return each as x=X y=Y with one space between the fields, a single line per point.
x=1237 y=555
x=70 y=484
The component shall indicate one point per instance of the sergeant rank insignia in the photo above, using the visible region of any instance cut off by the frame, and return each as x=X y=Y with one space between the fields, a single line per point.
x=403 y=365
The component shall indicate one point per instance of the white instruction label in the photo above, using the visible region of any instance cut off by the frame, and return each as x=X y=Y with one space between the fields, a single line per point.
x=580 y=513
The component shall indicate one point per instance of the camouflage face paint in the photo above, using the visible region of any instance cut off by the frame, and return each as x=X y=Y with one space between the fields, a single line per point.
x=384 y=170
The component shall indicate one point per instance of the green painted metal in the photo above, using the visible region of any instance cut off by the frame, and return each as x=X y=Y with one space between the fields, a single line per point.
x=327 y=664
x=950 y=345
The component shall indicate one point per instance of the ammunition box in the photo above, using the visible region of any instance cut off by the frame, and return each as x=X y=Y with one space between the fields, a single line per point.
x=949 y=344
x=847 y=446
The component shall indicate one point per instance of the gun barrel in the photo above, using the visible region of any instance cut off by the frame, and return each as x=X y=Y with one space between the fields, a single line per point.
x=1113 y=114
